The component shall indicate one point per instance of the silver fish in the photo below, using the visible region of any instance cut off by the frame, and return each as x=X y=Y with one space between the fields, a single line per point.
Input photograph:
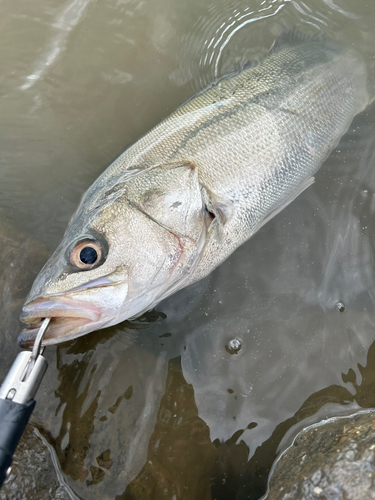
x=179 y=201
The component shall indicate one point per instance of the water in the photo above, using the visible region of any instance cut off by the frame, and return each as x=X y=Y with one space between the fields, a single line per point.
x=164 y=407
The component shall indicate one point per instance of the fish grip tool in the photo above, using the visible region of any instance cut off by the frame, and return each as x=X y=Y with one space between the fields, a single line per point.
x=17 y=399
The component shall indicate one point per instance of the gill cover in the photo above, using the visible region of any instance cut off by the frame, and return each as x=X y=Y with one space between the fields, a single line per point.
x=171 y=197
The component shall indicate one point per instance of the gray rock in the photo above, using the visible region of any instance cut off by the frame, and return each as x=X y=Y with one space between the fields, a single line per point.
x=334 y=460
x=33 y=475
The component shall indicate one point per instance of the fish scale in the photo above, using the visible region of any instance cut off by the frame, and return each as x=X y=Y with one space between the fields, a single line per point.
x=179 y=201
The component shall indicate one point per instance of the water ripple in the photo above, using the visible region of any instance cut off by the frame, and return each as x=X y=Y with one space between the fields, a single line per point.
x=69 y=17
x=205 y=44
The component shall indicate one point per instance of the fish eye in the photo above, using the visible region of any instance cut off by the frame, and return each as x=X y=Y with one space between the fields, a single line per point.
x=86 y=254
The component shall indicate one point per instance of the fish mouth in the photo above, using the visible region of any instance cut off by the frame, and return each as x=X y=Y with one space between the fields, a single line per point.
x=69 y=319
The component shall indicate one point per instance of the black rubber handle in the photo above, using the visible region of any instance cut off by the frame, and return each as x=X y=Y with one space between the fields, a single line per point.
x=13 y=420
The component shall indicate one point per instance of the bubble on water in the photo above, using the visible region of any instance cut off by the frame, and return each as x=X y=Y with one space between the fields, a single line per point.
x=340 y=306
x=234 y=346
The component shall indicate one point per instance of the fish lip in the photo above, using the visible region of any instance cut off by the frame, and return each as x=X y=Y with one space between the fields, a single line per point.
x=26 y=337
x=42 y=307
x=66 y=316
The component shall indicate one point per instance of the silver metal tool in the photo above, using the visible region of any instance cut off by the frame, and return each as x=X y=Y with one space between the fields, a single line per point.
x=26 y=373
x=17 y=399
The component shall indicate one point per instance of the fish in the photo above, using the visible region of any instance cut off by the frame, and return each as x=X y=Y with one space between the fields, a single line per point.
x=183 y=197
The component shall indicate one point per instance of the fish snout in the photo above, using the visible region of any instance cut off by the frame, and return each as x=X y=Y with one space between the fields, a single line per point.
x=68 y=318
x=41 y=308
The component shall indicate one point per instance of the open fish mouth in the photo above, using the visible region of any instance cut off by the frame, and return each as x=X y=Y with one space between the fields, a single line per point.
x=69 y=319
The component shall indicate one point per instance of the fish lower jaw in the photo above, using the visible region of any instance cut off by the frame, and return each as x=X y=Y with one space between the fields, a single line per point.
x=60 y=329
x=69 y=319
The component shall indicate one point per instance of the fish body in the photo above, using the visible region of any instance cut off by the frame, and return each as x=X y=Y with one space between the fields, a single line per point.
x=179 y=201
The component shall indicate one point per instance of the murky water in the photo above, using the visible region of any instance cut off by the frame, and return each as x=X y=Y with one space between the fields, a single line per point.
x=169 y=406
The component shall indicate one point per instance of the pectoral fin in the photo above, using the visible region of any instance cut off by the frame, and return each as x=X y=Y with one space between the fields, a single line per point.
x=218 y=211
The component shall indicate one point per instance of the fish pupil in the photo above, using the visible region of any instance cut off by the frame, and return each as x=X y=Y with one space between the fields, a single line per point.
x=88 y=255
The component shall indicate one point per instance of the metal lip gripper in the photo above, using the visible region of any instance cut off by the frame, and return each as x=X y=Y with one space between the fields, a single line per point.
x=17 y=398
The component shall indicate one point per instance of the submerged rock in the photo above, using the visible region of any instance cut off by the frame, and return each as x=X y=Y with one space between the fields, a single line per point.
x=334 y=460
x=33 y=475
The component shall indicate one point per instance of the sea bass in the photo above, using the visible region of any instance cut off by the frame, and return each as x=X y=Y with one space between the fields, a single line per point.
x=179 y=201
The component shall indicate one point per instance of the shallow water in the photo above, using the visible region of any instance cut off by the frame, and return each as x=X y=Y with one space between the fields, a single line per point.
x=161 y=407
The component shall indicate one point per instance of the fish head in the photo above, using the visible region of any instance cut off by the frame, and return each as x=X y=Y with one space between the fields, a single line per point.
x=130 y=244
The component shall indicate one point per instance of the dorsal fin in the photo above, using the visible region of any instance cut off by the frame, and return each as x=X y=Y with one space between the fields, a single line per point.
x=291 y=38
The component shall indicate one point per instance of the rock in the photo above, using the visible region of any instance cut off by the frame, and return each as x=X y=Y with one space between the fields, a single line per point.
x=33 y=475
x=334 y=460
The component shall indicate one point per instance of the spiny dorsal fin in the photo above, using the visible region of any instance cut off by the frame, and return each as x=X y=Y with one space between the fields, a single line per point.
x=291 y=38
